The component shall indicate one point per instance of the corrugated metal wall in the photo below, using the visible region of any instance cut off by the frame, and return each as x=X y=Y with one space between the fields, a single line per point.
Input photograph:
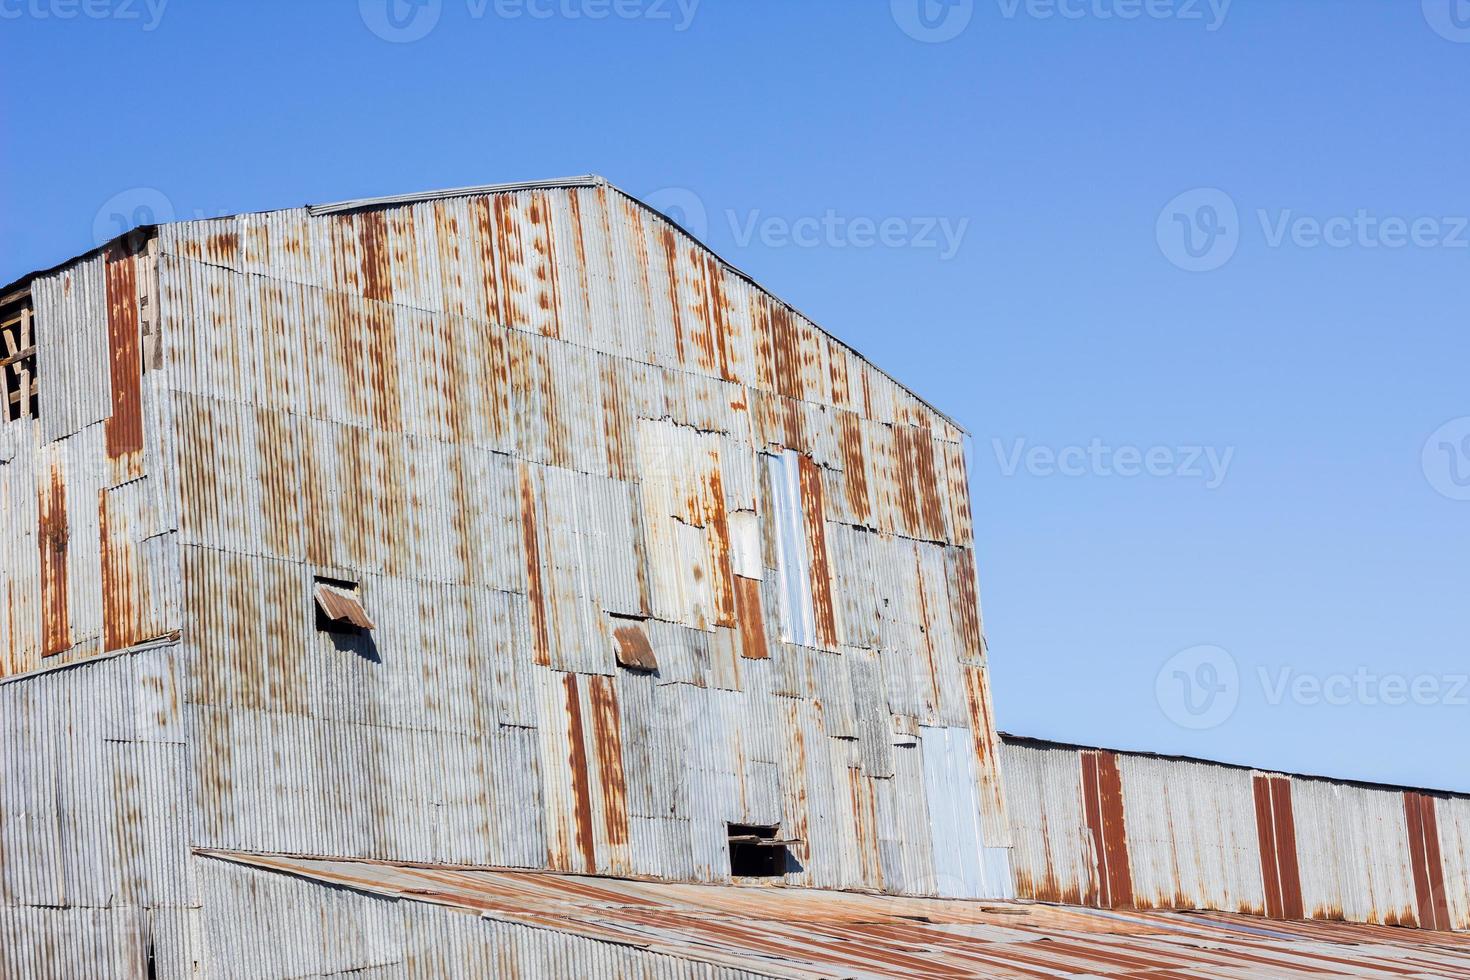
x=537 y=427
x=88 y=560
x=94 y=860
x=1189 y=834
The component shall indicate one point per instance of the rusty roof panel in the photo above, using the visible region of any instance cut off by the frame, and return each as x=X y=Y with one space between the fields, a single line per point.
x=810 y=934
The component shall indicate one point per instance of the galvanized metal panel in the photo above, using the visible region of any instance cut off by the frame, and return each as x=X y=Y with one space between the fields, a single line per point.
x=967 y=865
x=72 y=360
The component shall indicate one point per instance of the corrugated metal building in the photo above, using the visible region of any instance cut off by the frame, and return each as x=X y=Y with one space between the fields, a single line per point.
x=503 y=551
x=502 y=527
x=1121 y=830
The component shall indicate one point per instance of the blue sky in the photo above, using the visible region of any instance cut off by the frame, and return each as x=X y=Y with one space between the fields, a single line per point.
x=1220 y=247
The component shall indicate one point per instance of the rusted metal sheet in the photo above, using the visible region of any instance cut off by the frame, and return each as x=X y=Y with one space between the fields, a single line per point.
x=783 y=932
x=632 y=646
x=125 y=422
x=1276 y=829
x=1428 y=861
x=341 y=605
x=1102 y=802
x=54 y=539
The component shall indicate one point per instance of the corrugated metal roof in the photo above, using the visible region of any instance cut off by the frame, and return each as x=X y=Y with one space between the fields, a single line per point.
x=805 y=933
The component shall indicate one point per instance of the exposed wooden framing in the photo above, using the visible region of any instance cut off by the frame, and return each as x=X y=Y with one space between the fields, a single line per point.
x=18 y=382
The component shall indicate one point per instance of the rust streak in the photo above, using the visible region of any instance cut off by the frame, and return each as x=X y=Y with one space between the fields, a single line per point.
x=752 y=619
x=125 y=425
x=823 y=610
x=608 y=730
x=540 y=626
x=581 y=789
x=53 y=538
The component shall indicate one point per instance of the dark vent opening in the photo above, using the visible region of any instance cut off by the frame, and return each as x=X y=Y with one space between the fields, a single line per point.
x=756 y=853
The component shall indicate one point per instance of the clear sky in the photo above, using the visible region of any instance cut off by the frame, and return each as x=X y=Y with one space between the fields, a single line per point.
x=1221 y=247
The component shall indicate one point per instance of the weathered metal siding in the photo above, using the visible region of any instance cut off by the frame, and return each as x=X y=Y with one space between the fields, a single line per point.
x=1191 y=836
x=1188 y=834
x=88 y=563
x=1453 y=815
x=1353 y=847
x=537 y=427
x=93 y=819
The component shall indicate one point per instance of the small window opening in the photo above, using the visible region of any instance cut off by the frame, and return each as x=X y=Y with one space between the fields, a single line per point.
x=755 y=852
x=19 y=392
x=339 y=607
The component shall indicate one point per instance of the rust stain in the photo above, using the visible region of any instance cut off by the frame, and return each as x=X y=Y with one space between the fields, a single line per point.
x=548 y=295
x=125 y=425
x=540 y=626
x=581 y=790
x=121 y=602
x=608 y=730
x=670 y=243
x=854 y=467
x=1102 y=794
x=1428 y=862
x=53 y=539
x=752 y=619
x=376 y=267
x=965 y=602
x=510 y=261
x=823 y=609
x=222 y=248
x=451 y=259
x=923 y=512
x=1289 y=874
x=1266 y=842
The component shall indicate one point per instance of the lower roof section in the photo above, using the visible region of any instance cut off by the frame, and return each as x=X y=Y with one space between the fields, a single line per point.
x=803 y=933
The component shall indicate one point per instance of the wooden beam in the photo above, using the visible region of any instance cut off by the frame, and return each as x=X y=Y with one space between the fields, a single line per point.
x=20 y=355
